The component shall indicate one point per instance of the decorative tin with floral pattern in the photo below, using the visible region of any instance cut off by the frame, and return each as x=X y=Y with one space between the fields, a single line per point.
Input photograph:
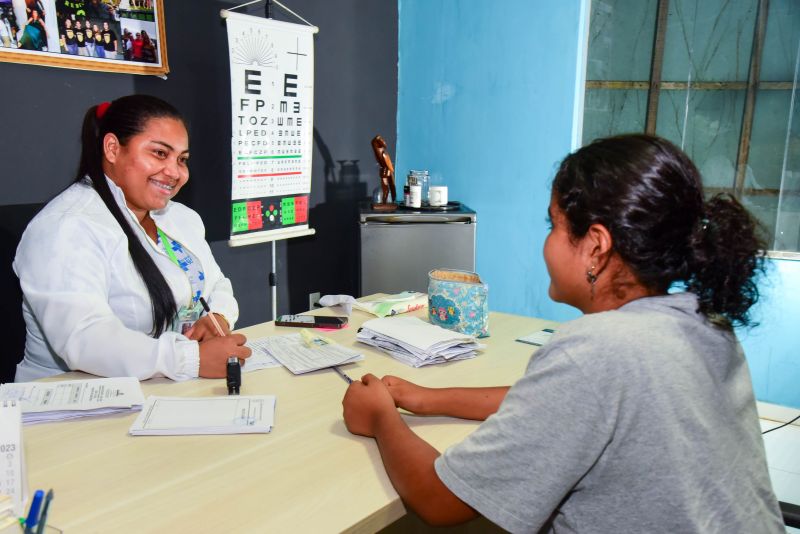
x=458 y=300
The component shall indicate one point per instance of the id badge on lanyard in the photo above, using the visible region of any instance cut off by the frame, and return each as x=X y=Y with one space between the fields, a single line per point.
x=186 y=317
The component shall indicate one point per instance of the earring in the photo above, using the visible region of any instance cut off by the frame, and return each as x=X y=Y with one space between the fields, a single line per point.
x=591 y=278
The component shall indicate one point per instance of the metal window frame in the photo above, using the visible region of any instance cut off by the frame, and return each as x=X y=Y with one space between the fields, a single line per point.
x=655 y=85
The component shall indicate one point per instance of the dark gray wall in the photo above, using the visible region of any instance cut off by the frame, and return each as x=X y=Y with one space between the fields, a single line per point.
x=355 y=98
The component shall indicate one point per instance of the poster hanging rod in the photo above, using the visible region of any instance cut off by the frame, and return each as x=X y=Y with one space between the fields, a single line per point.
x=224 y=13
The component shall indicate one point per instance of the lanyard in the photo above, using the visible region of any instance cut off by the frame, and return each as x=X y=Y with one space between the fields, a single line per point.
x=165 y=241
x=167 y=246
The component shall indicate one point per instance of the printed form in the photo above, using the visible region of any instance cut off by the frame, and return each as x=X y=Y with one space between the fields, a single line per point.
x=175 y=416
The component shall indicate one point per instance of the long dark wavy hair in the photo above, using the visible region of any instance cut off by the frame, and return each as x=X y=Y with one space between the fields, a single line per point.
x=126 y=117
x=649 y=196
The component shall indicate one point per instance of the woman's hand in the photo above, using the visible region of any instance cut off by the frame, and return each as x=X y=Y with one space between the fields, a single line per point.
x=407 y=395
x=215 y=351
x=203 y=329
x=366 y=405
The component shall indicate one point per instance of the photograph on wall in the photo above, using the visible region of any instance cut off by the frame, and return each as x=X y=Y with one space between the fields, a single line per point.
x=106 y=35
x=9 y=29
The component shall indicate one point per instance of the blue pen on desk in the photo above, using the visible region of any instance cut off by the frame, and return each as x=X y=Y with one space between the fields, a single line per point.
x=33 y=513
x=343 y=375
x=45 y=508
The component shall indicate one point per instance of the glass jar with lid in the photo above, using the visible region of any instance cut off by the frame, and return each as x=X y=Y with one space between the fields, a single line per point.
x=421 y=178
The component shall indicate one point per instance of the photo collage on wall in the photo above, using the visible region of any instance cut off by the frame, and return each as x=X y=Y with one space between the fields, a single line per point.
x=121 y=30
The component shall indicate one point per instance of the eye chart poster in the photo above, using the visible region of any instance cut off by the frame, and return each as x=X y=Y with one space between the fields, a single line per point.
x=272 y=102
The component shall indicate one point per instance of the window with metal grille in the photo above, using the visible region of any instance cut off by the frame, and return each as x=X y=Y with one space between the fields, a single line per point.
x=719 y=79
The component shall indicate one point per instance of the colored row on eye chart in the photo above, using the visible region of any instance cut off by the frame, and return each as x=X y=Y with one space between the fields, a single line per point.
x=268 y=213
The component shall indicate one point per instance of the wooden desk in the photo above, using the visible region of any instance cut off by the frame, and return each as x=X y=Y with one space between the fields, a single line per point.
x=308 y=475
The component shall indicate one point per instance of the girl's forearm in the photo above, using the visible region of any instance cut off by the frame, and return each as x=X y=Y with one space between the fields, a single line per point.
x=409 y=462
x=465 y=403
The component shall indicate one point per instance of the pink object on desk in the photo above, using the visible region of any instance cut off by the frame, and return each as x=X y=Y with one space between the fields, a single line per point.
x=332 y=329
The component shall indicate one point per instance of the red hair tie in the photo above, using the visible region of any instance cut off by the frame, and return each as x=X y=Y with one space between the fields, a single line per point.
x=101 y=109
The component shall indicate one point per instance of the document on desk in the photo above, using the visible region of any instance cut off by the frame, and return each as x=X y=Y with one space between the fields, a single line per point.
x=302 y=356
x=54 y=401
x=260 y=358
x=178 y=416
x=417 y=343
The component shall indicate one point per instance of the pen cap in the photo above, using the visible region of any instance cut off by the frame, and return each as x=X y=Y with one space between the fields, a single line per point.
x=33 y=513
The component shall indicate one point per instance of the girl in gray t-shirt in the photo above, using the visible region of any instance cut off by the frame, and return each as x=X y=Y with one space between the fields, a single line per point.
x=637 y=417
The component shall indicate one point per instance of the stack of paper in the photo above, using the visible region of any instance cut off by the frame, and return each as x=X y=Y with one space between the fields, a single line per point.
x=54 y=401
x=176 y=416
x=305 y=353
x=417 y=343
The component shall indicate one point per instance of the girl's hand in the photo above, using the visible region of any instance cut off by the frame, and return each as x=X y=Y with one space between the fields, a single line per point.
x=407 y=395
x=367 y=404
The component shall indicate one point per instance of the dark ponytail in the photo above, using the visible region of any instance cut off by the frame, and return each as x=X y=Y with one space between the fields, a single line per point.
x=727 y=254
x=126 y=117
x=649 y=195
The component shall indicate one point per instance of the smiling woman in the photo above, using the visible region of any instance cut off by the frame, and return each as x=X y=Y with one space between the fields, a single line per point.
x=112 y=270
x=151 y=168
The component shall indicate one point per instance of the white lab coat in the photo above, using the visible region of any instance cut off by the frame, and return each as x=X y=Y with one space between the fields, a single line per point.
x=85 y=305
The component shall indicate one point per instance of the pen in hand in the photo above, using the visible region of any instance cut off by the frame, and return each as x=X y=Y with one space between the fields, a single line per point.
x=211 y=316
x=343 y=375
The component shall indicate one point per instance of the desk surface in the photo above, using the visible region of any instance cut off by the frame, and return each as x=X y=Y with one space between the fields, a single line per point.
x=308 y=475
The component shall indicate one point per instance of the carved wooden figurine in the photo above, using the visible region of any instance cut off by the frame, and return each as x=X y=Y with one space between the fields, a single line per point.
x=386 y=174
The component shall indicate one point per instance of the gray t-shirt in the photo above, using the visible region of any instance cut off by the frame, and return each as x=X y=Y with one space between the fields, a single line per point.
x=640 y=419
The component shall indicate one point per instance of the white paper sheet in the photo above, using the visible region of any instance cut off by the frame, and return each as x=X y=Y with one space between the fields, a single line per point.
x=295 y=354
x=234 y=414
x=538 y=338
x=260 y=358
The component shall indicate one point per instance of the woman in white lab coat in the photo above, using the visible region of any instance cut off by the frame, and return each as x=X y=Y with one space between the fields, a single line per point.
x=112 y=270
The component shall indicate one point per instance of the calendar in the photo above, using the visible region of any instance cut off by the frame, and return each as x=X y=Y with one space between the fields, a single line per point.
x=272 y=104
x=12 y=463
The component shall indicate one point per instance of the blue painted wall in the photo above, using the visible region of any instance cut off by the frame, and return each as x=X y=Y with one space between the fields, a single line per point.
x=773 y=347
x=485 y=103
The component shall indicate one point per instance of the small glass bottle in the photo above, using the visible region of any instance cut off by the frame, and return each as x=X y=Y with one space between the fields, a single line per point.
x=411 y=180
x=422 y=179
x=425 y=182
